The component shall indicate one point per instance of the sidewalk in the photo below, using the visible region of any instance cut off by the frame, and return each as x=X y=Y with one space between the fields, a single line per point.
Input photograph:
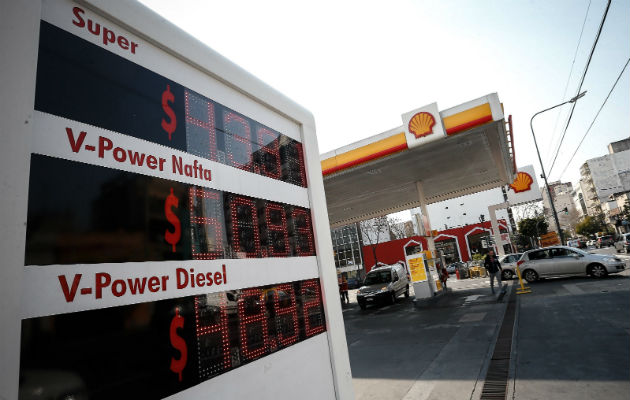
x=436 y=351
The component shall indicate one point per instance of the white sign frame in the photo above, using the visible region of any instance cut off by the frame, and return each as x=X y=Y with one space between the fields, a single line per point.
x=19 y=28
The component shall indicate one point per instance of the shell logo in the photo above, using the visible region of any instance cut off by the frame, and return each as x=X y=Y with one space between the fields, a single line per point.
x=421 y=124
x=522 y=183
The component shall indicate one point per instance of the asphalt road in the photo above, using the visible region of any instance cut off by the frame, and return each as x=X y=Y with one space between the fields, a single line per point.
x=571 y=341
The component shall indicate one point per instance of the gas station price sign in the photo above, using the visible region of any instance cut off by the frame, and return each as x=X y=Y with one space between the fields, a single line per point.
x=171 y=244
x=153 y=350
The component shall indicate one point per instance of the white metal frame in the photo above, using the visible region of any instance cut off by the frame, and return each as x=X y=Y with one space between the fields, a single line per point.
x=19 y=28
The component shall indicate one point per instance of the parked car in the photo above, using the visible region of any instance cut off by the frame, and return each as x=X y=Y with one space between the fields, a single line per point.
x=605 y=241
x=564 y=260
x=591 y=243
x=623 y=243
x=508 y=265
x=577 y=243
x=451 y=268
x=383 y=284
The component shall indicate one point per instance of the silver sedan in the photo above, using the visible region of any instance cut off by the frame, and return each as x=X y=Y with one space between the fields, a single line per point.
x=563 y=260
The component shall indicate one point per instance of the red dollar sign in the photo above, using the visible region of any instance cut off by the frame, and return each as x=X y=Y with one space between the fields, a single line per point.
x=167 y=97
x=178 y=343
x=172 y=237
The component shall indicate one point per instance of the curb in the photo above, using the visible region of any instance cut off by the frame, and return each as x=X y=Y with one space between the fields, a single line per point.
x=476 y=393
x=511 y=387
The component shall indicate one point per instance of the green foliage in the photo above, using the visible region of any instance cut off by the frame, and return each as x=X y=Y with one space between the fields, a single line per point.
x=590 y=226
x=533 y=227
x=478 y=257
x=523 y=241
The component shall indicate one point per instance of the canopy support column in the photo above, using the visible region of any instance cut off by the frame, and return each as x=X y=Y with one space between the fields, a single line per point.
x=425 y=214
x=492 y=210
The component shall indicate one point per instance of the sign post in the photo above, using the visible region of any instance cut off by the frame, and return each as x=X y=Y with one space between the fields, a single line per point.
x=169 y=234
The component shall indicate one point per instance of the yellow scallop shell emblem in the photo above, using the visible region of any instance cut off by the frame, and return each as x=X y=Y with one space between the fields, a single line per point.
x=421 y=124
x=522 y=183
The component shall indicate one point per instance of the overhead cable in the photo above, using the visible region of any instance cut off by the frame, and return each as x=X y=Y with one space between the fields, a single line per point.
x=566 y=87
x=590 y=57
x=594 y=119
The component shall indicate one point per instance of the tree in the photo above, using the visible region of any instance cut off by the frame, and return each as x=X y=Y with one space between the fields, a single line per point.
x=574 y=219
x=528 y=210
x=625 y=211
x=533 y=227
x=396 y=228
x=373 y=231
x=590 y=226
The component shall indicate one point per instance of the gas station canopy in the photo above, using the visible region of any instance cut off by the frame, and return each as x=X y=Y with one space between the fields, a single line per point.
x=450 y=153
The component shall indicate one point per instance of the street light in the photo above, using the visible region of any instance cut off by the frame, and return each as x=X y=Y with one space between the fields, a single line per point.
x=553 y=207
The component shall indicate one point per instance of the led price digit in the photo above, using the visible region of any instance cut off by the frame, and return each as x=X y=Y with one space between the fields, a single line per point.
x=311 y=308
x=303 y=232
x=276 y=232
x=238 y=140
x=285 y=310
x=212 y=335
x=269 y=153
x=200 y=127
x=252 y=318
x=245 y=236
x=206 y=220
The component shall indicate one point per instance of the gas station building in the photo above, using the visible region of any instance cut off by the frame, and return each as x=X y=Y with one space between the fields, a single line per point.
x=434 y=155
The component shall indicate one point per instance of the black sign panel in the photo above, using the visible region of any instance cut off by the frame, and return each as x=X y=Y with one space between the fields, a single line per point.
x=83 y=82
x=152 y=350
x=80 y=214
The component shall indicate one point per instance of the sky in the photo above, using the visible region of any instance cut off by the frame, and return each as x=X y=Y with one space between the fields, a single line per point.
x=359 y=65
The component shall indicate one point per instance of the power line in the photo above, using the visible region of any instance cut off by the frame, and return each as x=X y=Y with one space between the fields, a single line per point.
x=564 y=94
x=590 y=57
x=594 y=119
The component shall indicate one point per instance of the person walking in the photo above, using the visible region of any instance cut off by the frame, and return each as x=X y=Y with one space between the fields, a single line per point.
x=344 y=289
x=493 y=266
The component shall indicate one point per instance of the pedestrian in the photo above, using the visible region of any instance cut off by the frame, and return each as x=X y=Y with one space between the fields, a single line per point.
x=344 y=290
x=493 y=266
x=443 y=274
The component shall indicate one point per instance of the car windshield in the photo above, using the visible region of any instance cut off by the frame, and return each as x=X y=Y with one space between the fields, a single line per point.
x=374 y=278
x=579 y=251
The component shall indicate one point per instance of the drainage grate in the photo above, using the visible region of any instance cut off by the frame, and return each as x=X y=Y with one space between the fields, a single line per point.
x=495 y=385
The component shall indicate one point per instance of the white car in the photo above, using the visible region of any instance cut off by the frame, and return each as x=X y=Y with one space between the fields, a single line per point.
x=622 y=243
x=383 y=284
x=564 y=260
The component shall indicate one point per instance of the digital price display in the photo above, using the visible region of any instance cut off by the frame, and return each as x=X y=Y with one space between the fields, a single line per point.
x=170 y=244
x=152 y=350
x=144 y=218
x=86 y=83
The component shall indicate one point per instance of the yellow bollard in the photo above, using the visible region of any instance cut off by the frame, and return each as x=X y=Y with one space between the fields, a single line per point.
x=524 y=289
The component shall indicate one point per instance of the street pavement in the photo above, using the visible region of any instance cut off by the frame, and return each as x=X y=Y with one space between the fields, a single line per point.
x=571 y=340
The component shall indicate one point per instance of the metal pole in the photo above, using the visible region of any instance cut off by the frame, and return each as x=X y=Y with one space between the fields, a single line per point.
x=553 y=206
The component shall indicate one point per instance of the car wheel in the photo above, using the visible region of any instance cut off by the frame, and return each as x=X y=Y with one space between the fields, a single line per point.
x=530 y=275
x=597 y=271
x=506 y=274
x=407 y=291
x=362 y=305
